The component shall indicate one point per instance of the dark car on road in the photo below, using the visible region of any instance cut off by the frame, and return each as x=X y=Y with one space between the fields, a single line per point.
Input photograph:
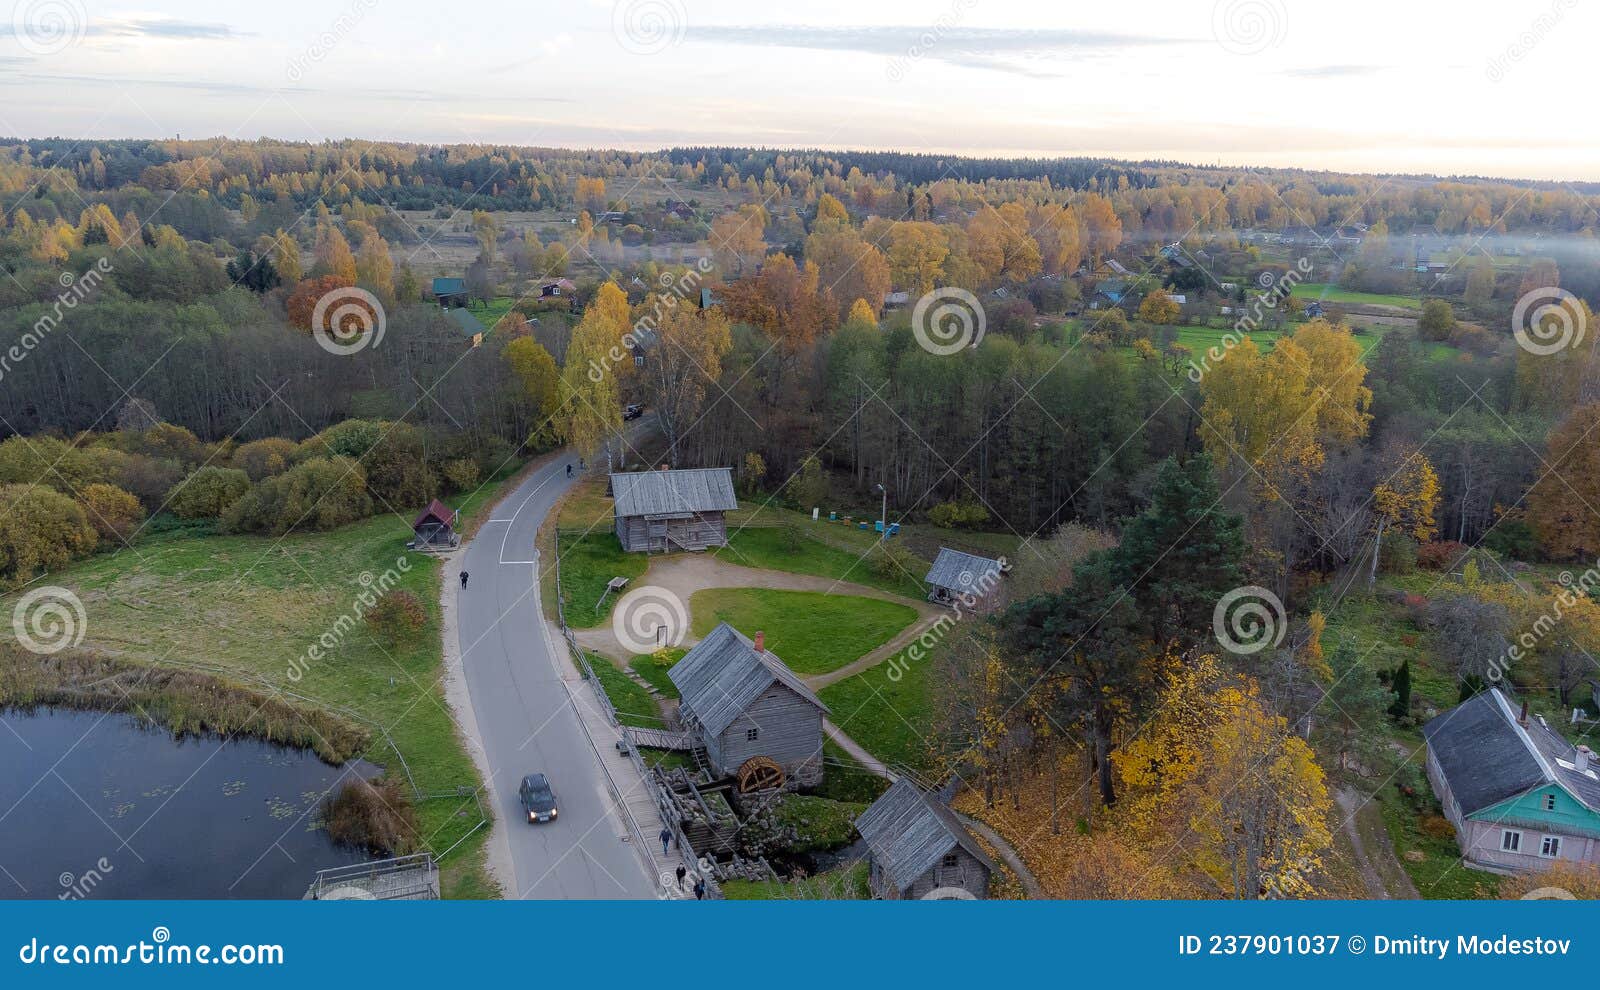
x=537 y=798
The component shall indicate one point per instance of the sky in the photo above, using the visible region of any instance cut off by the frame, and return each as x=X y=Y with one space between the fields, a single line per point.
x=1472 y=88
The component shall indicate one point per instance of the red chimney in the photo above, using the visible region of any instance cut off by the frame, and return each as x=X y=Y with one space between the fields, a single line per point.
x=663 y=467
x=761 y=642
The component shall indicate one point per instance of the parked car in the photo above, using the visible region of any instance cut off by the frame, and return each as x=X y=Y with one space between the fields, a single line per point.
x=538 y=798
x=632 y=411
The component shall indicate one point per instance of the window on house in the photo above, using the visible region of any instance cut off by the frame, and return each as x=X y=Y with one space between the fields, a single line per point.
x=1510 y=841
x=750 y=735
x=951 y=861
x=1550 y=847
x=1549 y=802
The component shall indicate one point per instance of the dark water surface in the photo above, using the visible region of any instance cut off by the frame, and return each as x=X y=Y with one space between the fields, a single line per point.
x=101 y=806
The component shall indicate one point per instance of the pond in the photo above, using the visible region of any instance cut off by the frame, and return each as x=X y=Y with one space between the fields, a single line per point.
x=96 y=805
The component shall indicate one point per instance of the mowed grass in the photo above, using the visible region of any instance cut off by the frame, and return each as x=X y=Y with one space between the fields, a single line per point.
x=769 y=548
x=889 y=717
x=254 y=605
x=588 y=563
x=633 y=703
x=654 y=671
x=813 y=632
x=1312 y=291
x=846 y=883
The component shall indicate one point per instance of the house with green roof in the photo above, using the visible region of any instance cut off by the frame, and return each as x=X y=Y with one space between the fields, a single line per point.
x=1519 y=795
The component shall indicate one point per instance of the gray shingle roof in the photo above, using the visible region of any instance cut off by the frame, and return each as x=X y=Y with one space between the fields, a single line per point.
x=908 y=832
x=961 y=572
x=665 y=493
x=722 y=674
x=1487 y=757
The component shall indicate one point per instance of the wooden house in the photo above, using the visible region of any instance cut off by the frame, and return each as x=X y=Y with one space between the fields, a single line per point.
x=964 y=580
x=435 y=527
x=659 y=511
x=1519 y=795
x=450 y=291
x=918 y=850
x=555 y=290
x=744 y=706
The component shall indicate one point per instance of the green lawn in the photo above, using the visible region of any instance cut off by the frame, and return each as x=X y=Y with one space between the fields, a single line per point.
x=633 y=703
x=655 y=672
x=849 y=883
x=813 y=632
x=587 y=564
x=888 y=717
x=821 y=823
x=1439 y=874
x=1311 y=291
x=254 y=605
x=769 y=548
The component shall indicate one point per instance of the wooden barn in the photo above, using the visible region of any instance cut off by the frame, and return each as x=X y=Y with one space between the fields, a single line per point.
x=918 y=849
x=659 y=511
x=450 y=291
x=964 y=580
x=745 y=707
x=435 y=527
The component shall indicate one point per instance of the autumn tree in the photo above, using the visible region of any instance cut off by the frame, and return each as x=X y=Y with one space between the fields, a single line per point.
x=683 y=361
x=1559 y=503
x=333 y=256
x=917 y=250
x=591 y=404
x=541 y=382
x=1158 y=307
x=286 y=257
x=852 y=269
x=1060 y=238
x=1102 y=229
x=999 y=240
x=737 y=239
x=114 y=513
x=1406 y=499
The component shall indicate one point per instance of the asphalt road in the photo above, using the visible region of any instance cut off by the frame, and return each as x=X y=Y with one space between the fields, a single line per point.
x=524 y=717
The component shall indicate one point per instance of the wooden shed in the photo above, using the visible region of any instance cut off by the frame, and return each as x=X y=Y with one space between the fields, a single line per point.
x=965 y=580
x=918 y=849
x=742 y=703
x=435 y=527
x=658 y=511
x=450 y=291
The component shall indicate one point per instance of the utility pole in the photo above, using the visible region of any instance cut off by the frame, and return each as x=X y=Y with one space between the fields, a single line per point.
x=883 y=518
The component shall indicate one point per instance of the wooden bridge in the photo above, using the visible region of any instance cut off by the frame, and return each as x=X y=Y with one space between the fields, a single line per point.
x=406 y=878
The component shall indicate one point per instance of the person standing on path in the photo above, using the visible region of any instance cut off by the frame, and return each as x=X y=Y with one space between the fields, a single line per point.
x=463 y=579
x=666 y=840
x=683 y=871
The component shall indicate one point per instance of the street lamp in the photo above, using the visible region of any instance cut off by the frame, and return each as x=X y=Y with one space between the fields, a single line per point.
x=883 y=519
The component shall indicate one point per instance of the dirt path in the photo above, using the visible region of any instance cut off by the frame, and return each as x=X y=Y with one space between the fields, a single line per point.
x=1381 y=873
x=1030 y=883
x=685 y=574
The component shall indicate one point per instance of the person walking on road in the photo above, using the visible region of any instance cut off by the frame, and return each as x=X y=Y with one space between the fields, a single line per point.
x=569 y=470
x=463 y=579
x=683 y=871
x=699 y=890
x=666 y=839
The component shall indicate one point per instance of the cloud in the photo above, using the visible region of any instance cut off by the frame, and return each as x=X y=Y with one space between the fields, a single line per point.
x=148 y=27
x=1334 y=71
x=1013 y=50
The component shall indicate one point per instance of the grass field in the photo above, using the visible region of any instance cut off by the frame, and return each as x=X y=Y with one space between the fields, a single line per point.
x=587 y=564
x=633 y=703
x=655 y=672
x=813 y=632
x=888 y=717
x=1312 y=291
x=253 y=606
x=849 y=883
x=769 y=549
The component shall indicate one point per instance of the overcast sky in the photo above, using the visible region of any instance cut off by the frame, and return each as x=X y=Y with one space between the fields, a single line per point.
x=1498 y=88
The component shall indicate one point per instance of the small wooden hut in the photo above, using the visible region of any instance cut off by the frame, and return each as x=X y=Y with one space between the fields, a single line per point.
x=659 y=511
x=435 y=527
x=918 y=849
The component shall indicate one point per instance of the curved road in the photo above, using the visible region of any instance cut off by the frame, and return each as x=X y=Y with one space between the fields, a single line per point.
x=514 y=677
